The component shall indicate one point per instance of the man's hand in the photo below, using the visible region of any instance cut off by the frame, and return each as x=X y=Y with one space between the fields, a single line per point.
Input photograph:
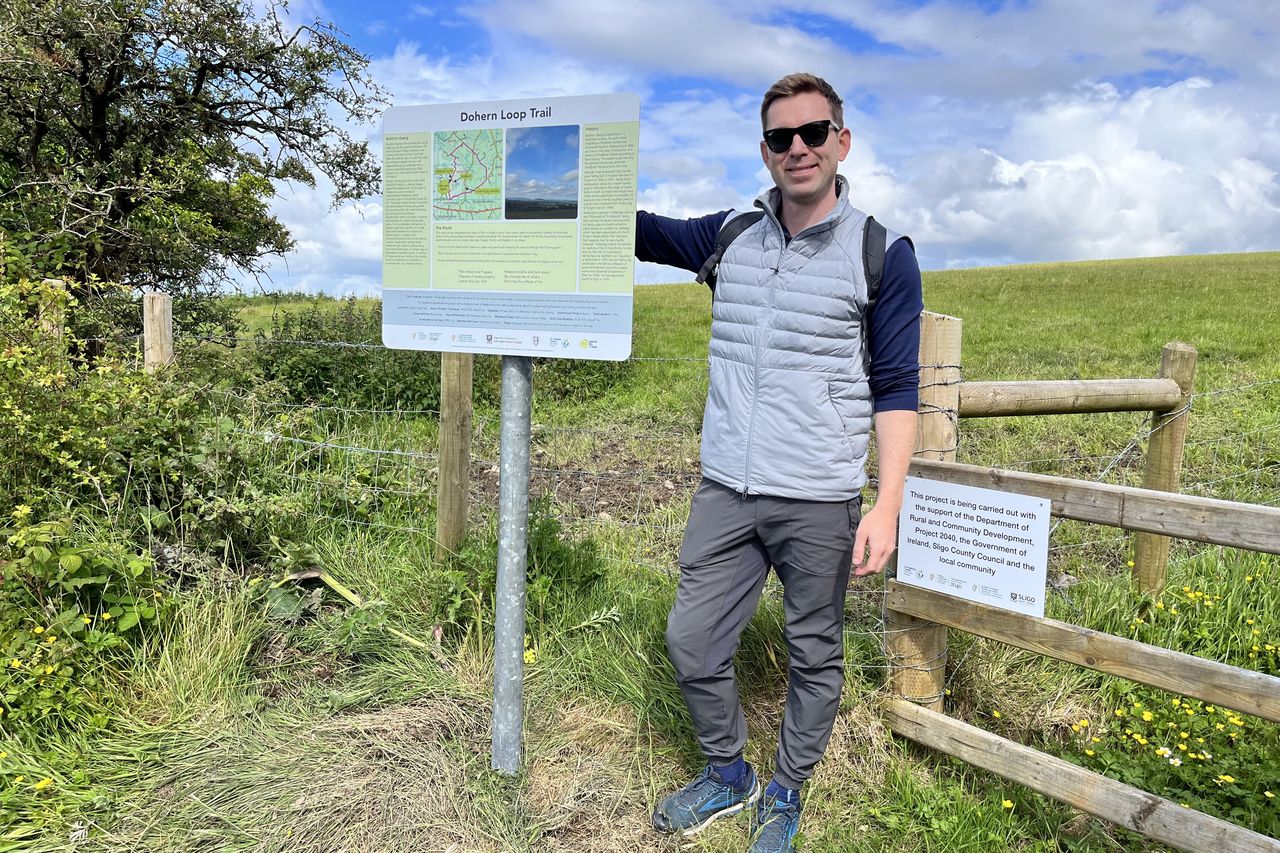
x=877 y=535
x=875 y=541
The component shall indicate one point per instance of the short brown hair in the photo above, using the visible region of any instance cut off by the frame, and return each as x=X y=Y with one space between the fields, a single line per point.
x=796 y=84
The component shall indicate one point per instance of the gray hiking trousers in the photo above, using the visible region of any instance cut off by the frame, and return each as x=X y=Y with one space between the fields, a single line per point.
x=729 y=544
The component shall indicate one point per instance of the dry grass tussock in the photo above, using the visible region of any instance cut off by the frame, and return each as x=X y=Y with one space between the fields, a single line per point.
x=388 y=780
x=588 y=786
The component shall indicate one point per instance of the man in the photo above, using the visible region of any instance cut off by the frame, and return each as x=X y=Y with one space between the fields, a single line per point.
x=800 y=366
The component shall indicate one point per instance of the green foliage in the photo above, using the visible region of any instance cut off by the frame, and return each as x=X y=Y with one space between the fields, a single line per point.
x=578 y=380
x=559 y=571
x=300 y=346
x=1224 y=608
x=1201 y=755
x=67 y=598
x=140 y=139
x=360 y=376
x=72 y=432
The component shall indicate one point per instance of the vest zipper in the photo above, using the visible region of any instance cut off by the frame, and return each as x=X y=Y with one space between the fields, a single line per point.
x=757 y=347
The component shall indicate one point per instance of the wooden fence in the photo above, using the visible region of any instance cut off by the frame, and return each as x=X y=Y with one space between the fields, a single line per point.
x=916 y=620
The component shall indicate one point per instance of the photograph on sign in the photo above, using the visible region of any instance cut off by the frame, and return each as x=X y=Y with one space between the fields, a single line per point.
x=509 y=226
x=982 y=545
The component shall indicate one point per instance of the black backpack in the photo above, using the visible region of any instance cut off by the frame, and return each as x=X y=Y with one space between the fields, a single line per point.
x=873 y=238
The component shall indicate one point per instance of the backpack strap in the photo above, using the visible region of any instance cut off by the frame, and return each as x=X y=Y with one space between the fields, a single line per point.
x=873 y=239
x=729 y=232
x=873 y=249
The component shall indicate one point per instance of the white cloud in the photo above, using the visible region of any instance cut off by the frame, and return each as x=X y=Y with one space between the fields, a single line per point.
x=669 y=37
x=1056 y=129
x=1168 y=170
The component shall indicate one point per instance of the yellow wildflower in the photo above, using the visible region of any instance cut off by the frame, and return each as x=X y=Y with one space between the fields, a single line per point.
x=1008 y=804
x=37 y=630
x=43 y=783
x=106 y=615
x=530 y=656
x=1147 y=716
x=995 y=714
x=1268 y=795
x=1088 y=752
x=1225 y=778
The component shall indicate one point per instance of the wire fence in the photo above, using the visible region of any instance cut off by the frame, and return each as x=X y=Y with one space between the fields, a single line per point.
x=628 y=488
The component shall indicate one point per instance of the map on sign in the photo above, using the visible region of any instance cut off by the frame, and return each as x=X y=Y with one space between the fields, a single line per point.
x=467 y=175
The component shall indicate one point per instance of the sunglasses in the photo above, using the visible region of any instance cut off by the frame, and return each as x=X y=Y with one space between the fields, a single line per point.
x=813 y=134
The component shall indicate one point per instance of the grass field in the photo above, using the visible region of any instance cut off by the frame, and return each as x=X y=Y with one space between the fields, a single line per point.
x=237 y=729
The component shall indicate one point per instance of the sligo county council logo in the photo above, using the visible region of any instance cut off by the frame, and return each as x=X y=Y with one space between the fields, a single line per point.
x=488 y=339
x=535 y=340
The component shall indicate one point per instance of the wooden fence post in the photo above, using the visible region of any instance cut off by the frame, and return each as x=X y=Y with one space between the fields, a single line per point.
x=917 y=648
x=1164 y=463
x=157 y=331
x=454 y=486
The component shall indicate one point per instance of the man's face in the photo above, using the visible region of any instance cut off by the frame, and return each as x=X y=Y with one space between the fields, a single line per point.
x=806 y=176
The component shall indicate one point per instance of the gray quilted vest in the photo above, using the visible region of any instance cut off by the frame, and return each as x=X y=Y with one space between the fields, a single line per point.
x=788 y=408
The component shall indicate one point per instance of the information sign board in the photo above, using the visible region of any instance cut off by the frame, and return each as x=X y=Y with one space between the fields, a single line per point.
x=509 y=226
x=982 y=545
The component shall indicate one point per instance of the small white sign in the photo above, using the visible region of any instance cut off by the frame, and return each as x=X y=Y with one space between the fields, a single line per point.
x=982 y=545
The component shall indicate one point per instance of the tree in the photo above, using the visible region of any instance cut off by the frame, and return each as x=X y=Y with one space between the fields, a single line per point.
x=141 y=140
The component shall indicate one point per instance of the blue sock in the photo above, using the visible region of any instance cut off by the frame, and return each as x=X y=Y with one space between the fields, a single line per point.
x=733 y=775
x=777 y=792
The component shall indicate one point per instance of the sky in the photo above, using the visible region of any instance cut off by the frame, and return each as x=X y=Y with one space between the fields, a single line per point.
x=542 y=163
x=991 y=132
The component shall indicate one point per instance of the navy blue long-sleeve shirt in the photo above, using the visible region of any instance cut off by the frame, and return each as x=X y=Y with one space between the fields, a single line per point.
x=893 y=333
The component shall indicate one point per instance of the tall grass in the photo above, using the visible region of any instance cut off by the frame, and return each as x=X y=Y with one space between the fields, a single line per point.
x=240 y=730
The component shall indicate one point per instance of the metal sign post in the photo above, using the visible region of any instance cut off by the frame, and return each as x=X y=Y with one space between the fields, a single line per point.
x=513 y=537
x=507 y=230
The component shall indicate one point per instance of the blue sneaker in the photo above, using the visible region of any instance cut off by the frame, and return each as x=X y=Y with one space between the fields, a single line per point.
x=692 y=809
x=775 y=825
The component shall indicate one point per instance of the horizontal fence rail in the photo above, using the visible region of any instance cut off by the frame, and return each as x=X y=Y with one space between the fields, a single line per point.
x=1216 y=522
x=1067 y=396
x=1207 y=680
x=1154 y=817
